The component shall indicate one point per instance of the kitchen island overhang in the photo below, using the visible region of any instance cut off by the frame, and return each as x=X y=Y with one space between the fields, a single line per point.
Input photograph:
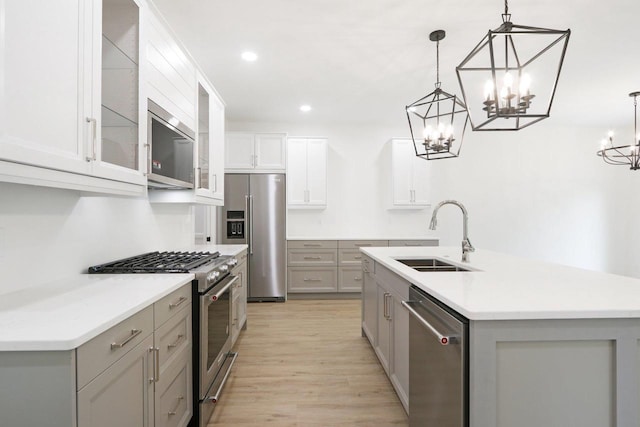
x=549 y=344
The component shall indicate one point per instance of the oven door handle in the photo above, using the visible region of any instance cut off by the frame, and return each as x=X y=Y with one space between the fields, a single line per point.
x=213 y=296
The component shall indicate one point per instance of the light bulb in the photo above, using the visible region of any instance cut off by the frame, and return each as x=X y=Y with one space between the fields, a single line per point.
x=411 y=109
x=488 y=90
x=504 y=92
x=525 y=84
x=426 y=132
x=449 y=132
x=603 y=144
x=435 y=136
x=508 y=80
x=440 y=129
x=633 y=150
x=610 y=134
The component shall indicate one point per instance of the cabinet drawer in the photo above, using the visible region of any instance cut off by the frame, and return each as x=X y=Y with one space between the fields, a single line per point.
x=174 y=394
x=104 y=350
x=171 y=304
x=312 y=257
x=350 y=256
x=350 y=279
x=355 y=244
x=174 y=336
x=312 y=244
x=430 y=242
x=313 y=279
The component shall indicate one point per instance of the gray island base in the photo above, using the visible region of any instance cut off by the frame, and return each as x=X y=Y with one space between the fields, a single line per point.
x=549 y=345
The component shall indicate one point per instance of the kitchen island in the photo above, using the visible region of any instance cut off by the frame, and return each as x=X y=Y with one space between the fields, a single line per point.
x=548 y=344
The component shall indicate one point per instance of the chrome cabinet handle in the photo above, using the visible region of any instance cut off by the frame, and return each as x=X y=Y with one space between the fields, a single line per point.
x=384 y=305
x=148 y=147
x=360 y=245
x=156 y=364
x=176 y=342
x=313 y=257
x=175 y=410
x=177 y=303
x=94 y=124
x=357 y=257
x=358 y=279
x=442 y=338
x=215 y=182
x=134 y=333
x=198 y=183
x=312 y=245
x=255 y=161
x=312 y=280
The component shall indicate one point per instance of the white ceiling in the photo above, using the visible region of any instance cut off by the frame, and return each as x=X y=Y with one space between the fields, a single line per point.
x=362 y=61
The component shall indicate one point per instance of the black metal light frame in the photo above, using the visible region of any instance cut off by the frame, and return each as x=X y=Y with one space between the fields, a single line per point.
x=436 y=108
x=615 y=155
x=517 y=111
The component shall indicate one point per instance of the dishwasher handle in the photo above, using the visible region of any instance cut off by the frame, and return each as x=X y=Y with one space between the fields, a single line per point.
x=442 y=338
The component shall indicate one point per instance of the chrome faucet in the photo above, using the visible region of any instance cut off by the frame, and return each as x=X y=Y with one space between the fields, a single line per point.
x=466 y=243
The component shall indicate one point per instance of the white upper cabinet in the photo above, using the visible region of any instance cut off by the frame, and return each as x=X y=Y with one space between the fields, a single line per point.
x=69 y=102
x=171 y=75
x=410 y=177
x=307 y=173
x=250 y=152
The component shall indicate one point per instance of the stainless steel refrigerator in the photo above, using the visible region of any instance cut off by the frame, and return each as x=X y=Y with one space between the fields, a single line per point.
x=254 y=213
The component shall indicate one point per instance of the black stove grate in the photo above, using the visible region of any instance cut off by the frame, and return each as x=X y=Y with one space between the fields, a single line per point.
x=157 y=262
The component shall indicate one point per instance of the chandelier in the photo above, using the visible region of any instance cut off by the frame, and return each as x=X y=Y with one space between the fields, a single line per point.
x=518 y=67
x=434 y=118
x=623 y=154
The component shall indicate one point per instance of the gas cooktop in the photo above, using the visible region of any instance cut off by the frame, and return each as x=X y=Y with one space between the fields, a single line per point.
x=158 y=262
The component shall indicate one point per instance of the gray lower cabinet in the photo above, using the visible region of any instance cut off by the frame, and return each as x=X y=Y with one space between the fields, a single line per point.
x=122 y=394
x=330 y=266
x=138 y=373
x=239 y=304
x=385 y=322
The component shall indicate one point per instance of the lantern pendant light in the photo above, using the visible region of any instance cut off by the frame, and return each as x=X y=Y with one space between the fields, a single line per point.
x=628 y=155
x=436 y=119
x=518 y=67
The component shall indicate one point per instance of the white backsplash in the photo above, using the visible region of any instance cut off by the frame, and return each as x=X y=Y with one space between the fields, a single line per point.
x=47 y=234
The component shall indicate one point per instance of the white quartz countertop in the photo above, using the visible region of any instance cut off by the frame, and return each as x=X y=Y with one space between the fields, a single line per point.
x=504 y=287
x=65 y=314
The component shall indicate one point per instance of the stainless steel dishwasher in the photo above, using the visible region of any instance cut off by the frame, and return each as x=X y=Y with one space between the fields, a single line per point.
x=438 y=363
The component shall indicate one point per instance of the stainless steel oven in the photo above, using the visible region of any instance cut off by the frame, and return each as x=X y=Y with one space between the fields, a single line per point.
x=216 y=357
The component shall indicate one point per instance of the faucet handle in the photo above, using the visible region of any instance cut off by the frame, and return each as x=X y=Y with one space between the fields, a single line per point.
x=467 y=246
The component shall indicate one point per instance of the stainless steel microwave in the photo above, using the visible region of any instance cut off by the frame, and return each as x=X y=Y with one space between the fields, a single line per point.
x=170 y=150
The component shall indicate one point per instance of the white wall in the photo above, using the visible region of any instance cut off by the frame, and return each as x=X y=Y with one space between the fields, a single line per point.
x=540 y=193
x=47 y=234
x=357 y=188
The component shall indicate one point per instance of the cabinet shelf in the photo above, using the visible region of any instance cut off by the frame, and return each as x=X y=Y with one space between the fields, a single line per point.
x=112 y=118
x=115 y=58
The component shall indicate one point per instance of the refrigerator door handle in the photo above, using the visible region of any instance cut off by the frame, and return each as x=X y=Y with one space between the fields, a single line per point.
x=250 y=225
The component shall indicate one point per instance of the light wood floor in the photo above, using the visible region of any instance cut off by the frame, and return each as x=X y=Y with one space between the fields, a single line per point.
x=304 y=363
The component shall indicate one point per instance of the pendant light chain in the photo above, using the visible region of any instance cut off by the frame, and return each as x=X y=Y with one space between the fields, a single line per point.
x=506 y=7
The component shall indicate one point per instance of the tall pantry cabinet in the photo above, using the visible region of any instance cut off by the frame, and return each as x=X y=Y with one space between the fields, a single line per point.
x=70 y=104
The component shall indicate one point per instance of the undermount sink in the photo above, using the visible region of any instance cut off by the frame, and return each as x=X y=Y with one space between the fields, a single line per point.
x=431 y=265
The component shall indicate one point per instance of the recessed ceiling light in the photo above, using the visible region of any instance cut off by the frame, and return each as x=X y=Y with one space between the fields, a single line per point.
x=249 y=56
x=305 y=108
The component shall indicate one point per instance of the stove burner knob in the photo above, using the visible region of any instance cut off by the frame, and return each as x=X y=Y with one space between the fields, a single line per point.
x=232 y=262
x=224 y=268
x=213 y=275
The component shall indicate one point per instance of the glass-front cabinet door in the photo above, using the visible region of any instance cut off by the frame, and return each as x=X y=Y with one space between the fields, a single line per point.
x=118 y=127
x=203 y=171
